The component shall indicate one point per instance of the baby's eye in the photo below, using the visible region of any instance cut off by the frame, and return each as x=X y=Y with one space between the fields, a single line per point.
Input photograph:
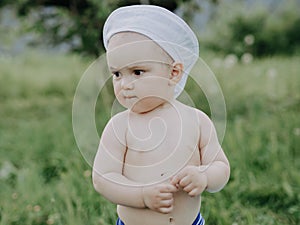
x=116 y=74
x=138 y=72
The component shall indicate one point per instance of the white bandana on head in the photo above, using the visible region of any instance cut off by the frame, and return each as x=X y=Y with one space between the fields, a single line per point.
x=167 y=29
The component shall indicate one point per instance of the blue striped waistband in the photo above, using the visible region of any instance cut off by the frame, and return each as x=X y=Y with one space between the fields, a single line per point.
x=198 y=221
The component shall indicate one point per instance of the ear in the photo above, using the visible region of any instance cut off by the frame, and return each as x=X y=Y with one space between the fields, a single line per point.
x=176 y=73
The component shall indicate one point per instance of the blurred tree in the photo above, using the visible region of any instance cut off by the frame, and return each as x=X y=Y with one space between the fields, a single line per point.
x=87 y=16
x=257 y=30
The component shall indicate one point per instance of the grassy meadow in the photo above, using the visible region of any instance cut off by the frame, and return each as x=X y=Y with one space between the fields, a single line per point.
x=45 y=180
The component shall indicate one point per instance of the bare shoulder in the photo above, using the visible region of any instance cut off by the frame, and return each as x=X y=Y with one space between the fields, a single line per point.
x=205 y=125
x=202 y=118
x=120 y=118
x=186 y=109
x=116 y=127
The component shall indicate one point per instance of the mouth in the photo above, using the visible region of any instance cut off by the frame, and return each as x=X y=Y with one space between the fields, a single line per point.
x=129 y=96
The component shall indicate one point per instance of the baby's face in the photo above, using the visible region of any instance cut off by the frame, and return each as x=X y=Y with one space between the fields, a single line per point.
x=141 y=72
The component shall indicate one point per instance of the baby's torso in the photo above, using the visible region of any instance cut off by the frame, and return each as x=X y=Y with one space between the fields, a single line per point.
x=158 y=147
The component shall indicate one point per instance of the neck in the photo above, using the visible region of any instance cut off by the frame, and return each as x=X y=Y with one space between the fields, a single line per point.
x=165 y=105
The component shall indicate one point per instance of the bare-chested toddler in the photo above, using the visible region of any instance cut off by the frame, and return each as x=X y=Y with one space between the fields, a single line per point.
x=157 y=157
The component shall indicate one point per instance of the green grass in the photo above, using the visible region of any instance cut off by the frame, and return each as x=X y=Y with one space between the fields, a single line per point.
x=45 y=180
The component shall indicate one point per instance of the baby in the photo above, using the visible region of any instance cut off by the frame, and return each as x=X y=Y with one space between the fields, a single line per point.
x=157 y=157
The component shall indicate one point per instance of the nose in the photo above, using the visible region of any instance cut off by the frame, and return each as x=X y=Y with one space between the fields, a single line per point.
x=127 y=83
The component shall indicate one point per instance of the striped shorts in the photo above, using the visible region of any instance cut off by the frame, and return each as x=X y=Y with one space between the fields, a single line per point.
x=198 y=221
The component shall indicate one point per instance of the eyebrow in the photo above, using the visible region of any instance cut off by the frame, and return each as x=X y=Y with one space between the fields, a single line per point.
x=130 y=66
x=136 y=65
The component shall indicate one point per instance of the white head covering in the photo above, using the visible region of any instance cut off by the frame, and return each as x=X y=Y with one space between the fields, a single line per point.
x=167 y=29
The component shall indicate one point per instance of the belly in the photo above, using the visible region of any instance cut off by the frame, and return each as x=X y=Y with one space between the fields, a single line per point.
x=156 y=167
x=185 y=211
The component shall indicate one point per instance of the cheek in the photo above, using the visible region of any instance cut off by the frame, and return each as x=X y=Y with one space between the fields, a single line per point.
x=117 y=88
x=150 y=87
x=118 y=95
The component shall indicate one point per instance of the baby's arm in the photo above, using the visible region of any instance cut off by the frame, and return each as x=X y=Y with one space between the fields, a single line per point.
x=107 y=170
x=109 y=180
x=214 y=171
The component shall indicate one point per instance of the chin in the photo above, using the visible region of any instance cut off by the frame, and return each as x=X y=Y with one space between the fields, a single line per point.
x=147 y=105
x=140 y=110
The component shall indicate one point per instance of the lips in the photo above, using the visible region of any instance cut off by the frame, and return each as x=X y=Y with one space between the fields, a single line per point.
x=129 y=96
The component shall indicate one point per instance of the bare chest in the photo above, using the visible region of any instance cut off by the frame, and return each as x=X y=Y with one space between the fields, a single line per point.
x=159 y=147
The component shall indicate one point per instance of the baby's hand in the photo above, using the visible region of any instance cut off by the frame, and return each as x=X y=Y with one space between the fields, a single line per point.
x=191 y=180
x=159 y=197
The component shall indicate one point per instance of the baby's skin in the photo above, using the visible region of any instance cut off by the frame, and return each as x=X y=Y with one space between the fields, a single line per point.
x=157 y=157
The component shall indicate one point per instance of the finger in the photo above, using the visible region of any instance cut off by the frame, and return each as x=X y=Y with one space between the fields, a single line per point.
x=176 y=179
x=166 y=203
x=189 y=188
x=166 y=196
x=194 y=192
x=166 y=210
x=184 y=181
x=169 y=188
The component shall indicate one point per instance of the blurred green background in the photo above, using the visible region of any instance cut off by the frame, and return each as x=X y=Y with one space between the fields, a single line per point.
x=45 y=46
